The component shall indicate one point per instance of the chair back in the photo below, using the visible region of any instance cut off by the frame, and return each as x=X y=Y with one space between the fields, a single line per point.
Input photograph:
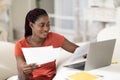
x=7 y=60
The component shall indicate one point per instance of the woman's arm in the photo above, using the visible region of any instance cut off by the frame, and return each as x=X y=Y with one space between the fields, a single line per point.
x=69 y=46
x=20 y=62
x=24 y=70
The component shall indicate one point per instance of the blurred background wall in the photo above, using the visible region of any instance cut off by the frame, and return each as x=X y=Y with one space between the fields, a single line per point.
x=78 y=20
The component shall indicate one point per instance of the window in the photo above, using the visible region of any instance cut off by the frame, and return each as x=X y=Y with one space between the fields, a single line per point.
x=65 y=17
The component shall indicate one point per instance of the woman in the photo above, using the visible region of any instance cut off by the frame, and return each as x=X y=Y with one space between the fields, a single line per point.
x=37 y=34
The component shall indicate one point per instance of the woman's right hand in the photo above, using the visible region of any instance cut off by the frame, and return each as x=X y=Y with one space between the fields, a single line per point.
x=28 y=68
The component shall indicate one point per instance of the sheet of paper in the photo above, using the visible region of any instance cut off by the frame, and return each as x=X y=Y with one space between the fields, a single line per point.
x=77 y=57
x=79 y=52
x=40 y=55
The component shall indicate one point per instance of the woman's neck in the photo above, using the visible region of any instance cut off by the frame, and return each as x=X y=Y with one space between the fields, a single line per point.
x=35 y=41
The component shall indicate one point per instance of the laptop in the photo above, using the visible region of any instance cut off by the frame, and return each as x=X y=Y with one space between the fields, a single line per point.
x=99 y=54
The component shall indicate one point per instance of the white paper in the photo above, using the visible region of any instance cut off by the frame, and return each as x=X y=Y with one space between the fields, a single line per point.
x=40 y=55
x=77 y=57
x=80 y=52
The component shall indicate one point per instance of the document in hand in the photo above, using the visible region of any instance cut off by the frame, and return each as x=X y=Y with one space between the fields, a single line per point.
x=78 y=55
x=82 y=76
x=40 y=55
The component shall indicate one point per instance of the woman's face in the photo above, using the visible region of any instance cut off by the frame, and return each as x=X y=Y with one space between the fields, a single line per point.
x=41 y=27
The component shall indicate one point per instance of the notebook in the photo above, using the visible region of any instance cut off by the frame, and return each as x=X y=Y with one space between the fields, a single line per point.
x=99 y=55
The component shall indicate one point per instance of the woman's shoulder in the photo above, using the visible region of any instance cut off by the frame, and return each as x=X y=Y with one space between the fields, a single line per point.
x=54 y=34
x=21 y=41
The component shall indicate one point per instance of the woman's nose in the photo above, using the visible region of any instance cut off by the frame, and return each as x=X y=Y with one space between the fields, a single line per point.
x=46 y=28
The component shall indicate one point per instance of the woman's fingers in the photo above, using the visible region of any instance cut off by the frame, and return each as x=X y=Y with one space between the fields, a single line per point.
x=29 y=68
x=27 y=71
x=34 y=66
x=85 y=56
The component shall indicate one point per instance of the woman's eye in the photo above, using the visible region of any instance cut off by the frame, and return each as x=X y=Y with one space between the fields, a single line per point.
x=48 y=25
x=41 y=25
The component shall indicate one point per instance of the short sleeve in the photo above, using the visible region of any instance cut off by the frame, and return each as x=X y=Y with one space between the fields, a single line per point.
x=18 y=50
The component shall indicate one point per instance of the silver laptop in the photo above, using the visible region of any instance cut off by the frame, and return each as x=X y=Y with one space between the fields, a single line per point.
x=99 y=55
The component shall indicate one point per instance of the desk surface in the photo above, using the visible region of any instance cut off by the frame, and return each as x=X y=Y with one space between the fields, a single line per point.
x=111 y=72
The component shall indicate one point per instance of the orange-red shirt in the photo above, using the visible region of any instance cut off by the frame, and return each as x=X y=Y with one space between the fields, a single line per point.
x=46 y=71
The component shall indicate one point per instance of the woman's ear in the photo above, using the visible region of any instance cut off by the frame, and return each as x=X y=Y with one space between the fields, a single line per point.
x=31 y=24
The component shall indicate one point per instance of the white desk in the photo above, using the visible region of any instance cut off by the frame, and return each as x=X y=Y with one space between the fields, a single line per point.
x=111 y=72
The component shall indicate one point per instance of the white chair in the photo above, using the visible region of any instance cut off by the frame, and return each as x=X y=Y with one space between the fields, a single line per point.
x=7 y=60
x=111 y=33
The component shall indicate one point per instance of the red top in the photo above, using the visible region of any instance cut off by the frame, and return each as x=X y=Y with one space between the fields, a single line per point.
x=48 y=70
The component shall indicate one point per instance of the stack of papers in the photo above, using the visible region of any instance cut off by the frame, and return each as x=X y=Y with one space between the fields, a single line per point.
x=40 y=55
x=82 y=76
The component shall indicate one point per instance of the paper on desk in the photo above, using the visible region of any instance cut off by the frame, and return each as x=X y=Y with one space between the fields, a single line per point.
x=40 y=55
x=82 y=76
